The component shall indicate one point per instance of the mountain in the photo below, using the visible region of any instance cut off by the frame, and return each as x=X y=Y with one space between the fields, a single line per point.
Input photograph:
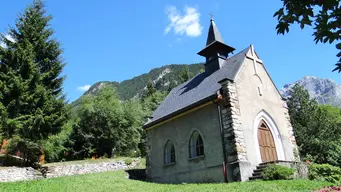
x=325 y=91
x=162 y=78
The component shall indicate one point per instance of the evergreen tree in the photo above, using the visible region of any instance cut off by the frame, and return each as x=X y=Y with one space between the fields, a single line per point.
x=149 y=104
x=171 y=86
x=185 y=75
x=150 y=89
x=30 y=73
x=317 y=129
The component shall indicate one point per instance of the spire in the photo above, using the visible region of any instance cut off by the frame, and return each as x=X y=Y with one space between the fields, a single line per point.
x=216 y=51
x=213 y=33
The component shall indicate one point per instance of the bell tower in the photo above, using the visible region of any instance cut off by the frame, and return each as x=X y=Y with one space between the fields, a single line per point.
x=216 y=51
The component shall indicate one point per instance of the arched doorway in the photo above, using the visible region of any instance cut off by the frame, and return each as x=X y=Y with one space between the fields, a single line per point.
x=267 y=147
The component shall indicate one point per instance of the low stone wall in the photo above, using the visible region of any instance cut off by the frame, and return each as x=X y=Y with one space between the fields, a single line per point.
x=301 y=168
x=77 y=169
x=12 y=174
x=9 y=174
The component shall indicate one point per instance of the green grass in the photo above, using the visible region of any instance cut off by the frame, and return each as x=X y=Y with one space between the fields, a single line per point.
x=117 y=181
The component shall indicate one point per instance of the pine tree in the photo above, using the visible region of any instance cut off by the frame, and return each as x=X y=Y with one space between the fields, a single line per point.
x=185 y=75
x=30 y=74
x=150 y=89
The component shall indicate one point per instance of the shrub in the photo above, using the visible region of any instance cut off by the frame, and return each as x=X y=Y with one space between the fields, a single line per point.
x=325 y=172
x=277 y=172
x=128 y=161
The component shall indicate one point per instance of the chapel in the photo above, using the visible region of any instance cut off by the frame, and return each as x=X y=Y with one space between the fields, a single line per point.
x=222 y=124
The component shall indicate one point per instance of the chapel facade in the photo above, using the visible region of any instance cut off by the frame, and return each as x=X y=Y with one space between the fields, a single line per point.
x=221 y=124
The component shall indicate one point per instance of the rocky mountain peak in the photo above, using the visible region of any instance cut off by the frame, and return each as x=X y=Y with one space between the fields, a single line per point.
x=325 y=91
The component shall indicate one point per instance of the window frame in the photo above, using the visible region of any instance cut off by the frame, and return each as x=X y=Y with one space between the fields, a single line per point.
x=169 y=153
x=196 y=146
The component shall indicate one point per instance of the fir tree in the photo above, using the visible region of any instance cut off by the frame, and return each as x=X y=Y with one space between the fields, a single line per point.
x=30 y=75
x=185 y=75
x=150 y=89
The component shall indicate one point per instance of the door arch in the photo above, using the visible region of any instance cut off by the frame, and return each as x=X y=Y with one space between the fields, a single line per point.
x=263 y=116
x=267 y=147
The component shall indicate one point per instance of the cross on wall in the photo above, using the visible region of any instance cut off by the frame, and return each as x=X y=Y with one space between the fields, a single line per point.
x=255 y=60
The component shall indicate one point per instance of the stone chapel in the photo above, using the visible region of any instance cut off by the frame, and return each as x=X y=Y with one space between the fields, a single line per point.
x=221 y=124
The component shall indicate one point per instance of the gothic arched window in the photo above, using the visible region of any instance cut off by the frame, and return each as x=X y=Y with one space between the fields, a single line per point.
x=169 y=153
x=196 y=145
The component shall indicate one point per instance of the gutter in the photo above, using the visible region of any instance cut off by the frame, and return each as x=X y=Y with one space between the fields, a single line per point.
x=222 y=135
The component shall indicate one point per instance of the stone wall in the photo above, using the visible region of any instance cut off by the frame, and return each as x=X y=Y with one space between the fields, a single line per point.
x=301 y=169
x=233 y=134
x=77 y=169
x=11 y=174
x=291 y=133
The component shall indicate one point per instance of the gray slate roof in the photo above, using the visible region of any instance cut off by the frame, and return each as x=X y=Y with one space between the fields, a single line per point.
x=199 y=88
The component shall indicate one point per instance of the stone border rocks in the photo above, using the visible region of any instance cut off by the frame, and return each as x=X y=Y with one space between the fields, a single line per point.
x=13 y=174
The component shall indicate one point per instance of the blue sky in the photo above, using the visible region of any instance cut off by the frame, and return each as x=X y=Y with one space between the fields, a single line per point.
x=117 y=40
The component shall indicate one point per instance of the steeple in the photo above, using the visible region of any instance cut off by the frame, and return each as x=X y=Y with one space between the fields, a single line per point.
x=213 y=33
x=216 y=51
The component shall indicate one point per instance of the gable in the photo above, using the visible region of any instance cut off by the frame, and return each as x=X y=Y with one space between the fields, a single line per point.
x=254 y=76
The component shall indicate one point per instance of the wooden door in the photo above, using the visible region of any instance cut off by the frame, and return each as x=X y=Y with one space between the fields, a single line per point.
x=266 y=142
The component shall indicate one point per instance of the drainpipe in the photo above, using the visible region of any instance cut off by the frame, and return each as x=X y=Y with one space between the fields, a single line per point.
x=222 y=135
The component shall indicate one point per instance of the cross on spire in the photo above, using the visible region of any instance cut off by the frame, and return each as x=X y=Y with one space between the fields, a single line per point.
x=211 y=14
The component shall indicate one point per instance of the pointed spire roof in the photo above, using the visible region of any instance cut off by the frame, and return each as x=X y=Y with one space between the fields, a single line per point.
x=215 y=43
x=213 y=34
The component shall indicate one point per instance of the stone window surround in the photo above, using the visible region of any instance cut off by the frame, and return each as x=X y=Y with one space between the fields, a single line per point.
x=264 y=116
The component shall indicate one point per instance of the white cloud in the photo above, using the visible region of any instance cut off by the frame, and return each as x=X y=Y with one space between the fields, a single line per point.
x=9 y=37
x=84 y=88
x=187 y=23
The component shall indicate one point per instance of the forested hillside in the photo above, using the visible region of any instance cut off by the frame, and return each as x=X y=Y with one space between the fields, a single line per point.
x=162 y=78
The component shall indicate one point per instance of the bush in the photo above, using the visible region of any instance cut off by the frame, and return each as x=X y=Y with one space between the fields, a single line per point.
x=325 y=172
x=277 y=172
x=128 y=161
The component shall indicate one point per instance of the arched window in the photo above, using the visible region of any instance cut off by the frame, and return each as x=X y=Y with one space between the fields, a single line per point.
x=196 y=145
x=169 y=153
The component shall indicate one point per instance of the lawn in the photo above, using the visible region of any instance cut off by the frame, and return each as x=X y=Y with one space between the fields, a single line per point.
x=117 y=181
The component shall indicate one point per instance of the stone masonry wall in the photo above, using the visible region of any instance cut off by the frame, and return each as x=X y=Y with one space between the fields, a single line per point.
x=233 y=134
x=12 y=174
x=291 y=133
